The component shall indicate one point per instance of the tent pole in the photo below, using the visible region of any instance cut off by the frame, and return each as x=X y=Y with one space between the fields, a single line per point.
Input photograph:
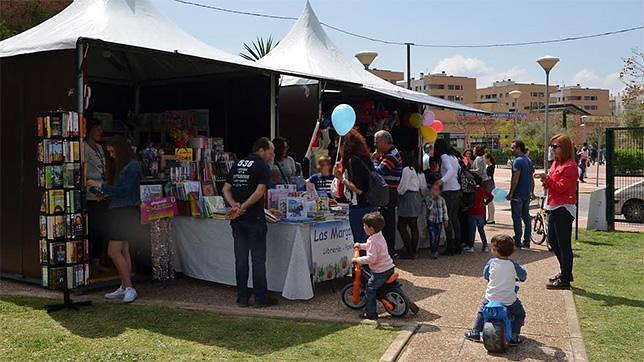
x=273 y=105
x=79 y=77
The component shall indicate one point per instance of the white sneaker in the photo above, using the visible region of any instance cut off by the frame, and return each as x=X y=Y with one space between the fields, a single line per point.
x=130 y=295
x=469 y=249
x=118 y=293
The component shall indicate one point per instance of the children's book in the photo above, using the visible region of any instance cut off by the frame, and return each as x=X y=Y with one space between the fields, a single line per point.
x=44 y=256
x=74 y=201
x=56 y=201
x=151 y=192
x=72 y=175
x=295 y=209
x=54 y=176
x=57 y=253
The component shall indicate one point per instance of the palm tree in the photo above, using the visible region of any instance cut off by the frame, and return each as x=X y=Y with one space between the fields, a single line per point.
x=260 y=48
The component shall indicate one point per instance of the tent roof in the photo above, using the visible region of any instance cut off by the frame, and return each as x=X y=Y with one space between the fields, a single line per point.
x=127 y=22
x=308 y=50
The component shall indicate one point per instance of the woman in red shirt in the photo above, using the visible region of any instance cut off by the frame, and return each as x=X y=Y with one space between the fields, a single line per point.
x=561 y=204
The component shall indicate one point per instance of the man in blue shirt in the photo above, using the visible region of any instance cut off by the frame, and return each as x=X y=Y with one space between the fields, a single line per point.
x=521 y=190
x=244 y=190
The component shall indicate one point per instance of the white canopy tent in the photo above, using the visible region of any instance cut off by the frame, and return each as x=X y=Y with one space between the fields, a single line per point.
x=307 y=49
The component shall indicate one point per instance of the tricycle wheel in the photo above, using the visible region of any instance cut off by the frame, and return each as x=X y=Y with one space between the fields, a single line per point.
x=494 y=337
x=347 y=297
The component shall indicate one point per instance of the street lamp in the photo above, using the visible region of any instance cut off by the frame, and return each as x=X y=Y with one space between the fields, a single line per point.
x=547 y=63
x=515 y=94
x=366 y=57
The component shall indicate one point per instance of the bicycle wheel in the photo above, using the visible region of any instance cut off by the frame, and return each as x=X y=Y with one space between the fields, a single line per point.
x=538 y=230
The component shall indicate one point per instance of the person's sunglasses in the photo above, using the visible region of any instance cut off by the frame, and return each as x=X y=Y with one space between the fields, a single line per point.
x=555 y=146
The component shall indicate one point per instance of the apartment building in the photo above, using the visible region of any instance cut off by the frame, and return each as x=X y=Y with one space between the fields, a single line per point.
x=497 y=98
x=450 y=87
x=592 y=100
x=390 y=76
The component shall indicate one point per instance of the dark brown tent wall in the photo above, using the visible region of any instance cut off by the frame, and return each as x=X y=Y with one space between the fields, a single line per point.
x=29 y=84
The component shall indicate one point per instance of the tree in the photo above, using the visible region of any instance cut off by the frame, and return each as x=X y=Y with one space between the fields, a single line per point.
x=632 y=75
x=260 y=48
x=633 y=118
x=17 y=16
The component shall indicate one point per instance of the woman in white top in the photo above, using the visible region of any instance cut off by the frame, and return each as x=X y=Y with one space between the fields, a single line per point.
x=410 y=203
x=283 y=166
x=450 y=170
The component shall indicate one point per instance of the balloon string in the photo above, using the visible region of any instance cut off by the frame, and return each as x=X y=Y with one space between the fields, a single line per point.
x=338 y=153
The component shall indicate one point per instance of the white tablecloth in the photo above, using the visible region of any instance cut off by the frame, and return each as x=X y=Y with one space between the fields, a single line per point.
x=205 y=250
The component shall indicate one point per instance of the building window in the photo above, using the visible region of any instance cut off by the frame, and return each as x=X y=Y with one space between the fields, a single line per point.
x=437 y=86
x=455 y=98
x=590 y=108
x=574 y=98
x=590 y=98
x=424 y=87
x=454 y=87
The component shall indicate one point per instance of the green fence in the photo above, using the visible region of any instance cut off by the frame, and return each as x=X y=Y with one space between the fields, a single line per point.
x=625 y=176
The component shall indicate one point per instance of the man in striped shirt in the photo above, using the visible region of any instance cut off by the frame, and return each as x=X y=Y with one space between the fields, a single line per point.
x=389 y=165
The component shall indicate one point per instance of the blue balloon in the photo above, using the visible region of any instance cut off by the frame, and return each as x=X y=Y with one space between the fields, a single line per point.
x=343 y=118
x=499 y=194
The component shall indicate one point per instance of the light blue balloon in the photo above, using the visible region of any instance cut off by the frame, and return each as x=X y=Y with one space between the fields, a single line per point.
x=343 y=118
x=499 y=194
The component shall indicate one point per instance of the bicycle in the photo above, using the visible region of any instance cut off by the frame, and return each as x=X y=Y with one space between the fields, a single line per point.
x=540 y=224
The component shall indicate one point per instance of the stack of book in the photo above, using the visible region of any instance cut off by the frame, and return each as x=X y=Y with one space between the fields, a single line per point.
x=63 y=244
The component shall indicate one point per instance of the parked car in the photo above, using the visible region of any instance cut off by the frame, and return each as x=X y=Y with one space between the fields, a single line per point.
x=629 y=201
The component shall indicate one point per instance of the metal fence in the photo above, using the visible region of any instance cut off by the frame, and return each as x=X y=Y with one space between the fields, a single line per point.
x=625 y=178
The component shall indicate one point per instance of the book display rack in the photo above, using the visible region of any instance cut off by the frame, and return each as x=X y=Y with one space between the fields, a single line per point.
x=63 y=243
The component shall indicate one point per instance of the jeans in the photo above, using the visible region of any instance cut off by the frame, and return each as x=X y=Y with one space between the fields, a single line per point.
x=520 y=212
x=408 y=229
x=375 y=281
x=434 y=235
x=389 y=213
x=250 y=236
x=515 y=312
x=559 y=235
x=355 y=220
x=582 y=172
x=453 y=232
x=476 y=222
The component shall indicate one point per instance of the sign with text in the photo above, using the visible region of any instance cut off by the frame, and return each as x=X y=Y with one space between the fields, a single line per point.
x=331 y=249
x=158 y=209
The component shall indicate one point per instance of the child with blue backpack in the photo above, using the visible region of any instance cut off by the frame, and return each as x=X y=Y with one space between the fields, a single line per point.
x=501 y=272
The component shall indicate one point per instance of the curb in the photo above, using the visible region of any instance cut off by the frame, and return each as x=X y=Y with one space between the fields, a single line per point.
x=576 y=339
x=396 y=347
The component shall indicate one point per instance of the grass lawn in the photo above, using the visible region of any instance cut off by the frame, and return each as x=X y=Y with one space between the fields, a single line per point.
x=609 y=293
x=105 y=332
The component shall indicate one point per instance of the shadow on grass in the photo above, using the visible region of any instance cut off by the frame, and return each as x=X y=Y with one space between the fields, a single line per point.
x=594 y=243
x=609 y=301
x=246 y=335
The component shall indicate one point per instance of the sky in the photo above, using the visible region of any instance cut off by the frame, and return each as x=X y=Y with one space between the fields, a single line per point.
x=591 y=62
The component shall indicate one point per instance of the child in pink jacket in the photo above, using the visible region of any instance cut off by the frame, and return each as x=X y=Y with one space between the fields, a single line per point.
x=381 y=265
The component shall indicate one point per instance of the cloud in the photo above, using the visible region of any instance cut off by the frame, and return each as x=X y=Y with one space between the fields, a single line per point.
x=587 y=78
x=473 y=67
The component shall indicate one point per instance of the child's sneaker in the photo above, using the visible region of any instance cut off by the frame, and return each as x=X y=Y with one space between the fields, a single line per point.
x=130 y=295
x=516 y=340
x=118 y=293
x=485 y=249
x=473 y=335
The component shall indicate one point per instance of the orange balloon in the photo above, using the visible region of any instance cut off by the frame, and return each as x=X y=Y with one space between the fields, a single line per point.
x=437 y=125
x=428 y=133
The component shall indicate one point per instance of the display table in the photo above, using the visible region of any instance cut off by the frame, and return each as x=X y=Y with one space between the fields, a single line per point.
x=205 y=250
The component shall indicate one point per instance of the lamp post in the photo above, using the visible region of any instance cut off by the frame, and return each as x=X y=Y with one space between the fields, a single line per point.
x=366 y=57
x=515 y=94
x=547 y=63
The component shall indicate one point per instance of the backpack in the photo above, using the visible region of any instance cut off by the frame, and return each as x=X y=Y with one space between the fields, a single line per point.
x=466 y=178
x=378 y=192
